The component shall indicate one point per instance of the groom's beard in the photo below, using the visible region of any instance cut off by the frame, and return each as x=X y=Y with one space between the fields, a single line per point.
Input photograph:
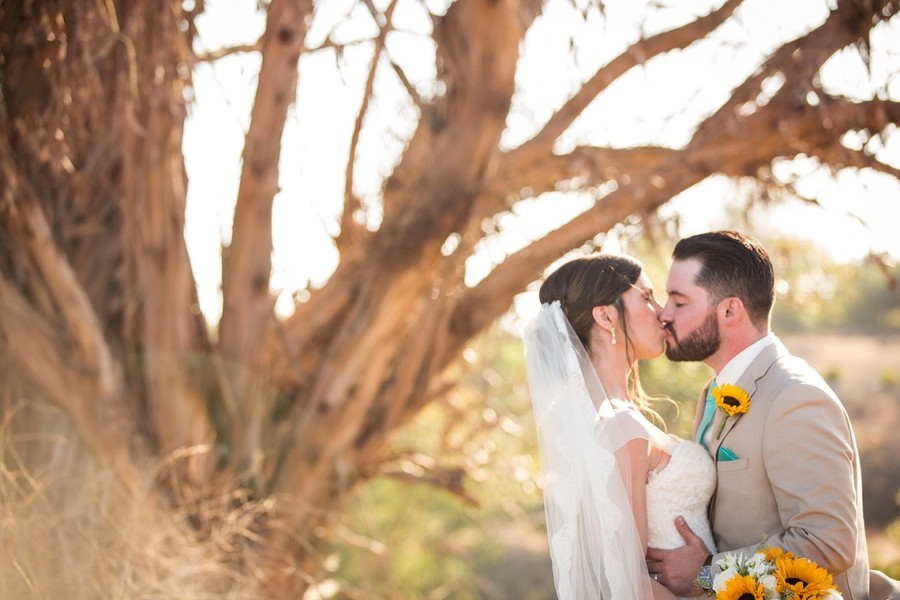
x=699 y=345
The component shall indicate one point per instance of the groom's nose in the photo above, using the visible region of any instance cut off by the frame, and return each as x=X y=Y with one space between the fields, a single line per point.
x=665 y=315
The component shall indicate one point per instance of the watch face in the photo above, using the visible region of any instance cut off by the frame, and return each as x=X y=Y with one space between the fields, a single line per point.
x=706 y=577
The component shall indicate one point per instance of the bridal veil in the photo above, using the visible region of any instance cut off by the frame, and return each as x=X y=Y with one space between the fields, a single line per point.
x=594 y=543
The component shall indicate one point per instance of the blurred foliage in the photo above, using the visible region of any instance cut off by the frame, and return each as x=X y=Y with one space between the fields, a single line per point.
x=484 y=537
x=828 y=297
x=487 y=540
x=888 y=379
x=678 y=385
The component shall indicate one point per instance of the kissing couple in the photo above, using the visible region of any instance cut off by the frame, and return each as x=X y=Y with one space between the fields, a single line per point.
x=634 y=513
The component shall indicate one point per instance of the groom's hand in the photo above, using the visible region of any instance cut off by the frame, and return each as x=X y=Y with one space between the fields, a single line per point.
x=677 y=569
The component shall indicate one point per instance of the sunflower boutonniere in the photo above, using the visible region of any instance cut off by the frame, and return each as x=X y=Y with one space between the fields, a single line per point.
x=731 y=400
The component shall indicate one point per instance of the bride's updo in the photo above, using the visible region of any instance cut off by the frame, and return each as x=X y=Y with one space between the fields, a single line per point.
x=598 y=280
x=589 y=281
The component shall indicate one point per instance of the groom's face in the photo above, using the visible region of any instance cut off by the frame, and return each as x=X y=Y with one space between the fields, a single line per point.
x=693 y=326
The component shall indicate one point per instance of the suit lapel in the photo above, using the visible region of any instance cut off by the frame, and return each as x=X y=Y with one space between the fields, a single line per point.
x=747 y=382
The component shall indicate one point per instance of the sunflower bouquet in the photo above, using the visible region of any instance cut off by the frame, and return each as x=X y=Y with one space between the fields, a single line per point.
x=772 y=574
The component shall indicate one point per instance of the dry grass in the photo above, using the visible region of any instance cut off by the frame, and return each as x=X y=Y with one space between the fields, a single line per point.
x=72 y=530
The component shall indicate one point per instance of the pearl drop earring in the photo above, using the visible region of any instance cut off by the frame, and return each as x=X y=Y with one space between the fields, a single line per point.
x=613 y=332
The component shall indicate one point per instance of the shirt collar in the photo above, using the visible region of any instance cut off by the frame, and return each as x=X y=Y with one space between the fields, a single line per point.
x=735 y=367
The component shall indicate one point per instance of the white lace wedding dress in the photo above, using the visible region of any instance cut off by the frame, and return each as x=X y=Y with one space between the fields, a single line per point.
x=596 y=553
x=683 y=487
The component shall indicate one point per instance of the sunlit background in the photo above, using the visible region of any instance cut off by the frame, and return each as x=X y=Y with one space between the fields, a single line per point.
x=400 y=540
x=646 y=106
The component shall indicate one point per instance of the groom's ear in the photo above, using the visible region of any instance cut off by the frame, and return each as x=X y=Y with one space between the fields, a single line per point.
x=731 y=310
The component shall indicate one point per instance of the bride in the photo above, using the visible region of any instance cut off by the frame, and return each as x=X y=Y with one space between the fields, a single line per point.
x=613 y=482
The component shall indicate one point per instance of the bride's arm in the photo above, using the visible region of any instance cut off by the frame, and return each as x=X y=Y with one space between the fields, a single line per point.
x=634 y=465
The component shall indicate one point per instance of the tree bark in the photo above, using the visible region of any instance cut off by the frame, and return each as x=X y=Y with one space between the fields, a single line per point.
x=161 y=324
x=246 y=263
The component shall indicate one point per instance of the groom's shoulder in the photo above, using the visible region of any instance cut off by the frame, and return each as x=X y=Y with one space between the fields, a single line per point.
x=797 y=370
x=791 y=372
x=796 y=367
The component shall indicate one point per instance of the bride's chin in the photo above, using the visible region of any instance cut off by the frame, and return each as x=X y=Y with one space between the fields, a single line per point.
x=647 y=351
x=655 y=353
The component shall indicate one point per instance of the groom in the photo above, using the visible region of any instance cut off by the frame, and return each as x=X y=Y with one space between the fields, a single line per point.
x=788 y=467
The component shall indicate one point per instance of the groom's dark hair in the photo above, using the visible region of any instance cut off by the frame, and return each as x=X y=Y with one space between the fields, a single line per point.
x=734 y=264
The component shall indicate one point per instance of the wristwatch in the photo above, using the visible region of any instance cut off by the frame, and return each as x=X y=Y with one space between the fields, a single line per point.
x=705 y=577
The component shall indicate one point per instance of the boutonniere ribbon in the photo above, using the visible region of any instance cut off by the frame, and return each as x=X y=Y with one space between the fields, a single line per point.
x=731 y=400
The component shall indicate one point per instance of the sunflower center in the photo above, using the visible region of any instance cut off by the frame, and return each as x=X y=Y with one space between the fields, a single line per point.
x=746 y=596
x=731 y=401
x=794 y=580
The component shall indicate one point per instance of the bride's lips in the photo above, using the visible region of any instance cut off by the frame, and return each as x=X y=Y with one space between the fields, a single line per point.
x=670 y=335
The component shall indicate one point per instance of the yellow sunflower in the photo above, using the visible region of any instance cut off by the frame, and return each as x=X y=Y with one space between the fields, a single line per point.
x=802 y=578
x=773 y=553
x=742 y=587
x=731 y=400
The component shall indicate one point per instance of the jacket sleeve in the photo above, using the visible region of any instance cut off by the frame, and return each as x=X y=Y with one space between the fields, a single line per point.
x=810 y=460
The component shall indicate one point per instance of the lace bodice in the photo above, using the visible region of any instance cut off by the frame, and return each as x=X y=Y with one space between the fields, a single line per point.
x=684 y=487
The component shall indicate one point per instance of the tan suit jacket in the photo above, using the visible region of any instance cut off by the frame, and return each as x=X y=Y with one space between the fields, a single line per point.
x=796 y=479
